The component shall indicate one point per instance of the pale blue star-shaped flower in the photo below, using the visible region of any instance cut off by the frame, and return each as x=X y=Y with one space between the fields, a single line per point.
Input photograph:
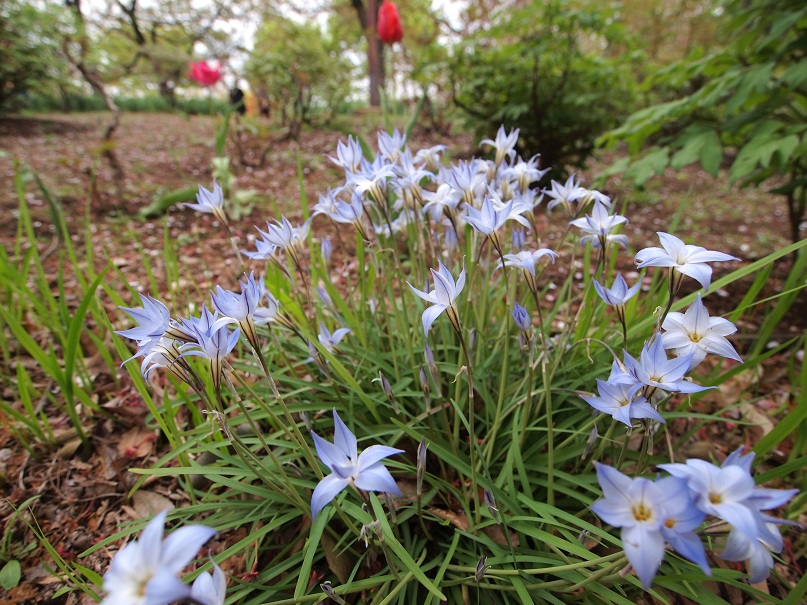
x=349 y=155
x=407 y=184
x=683 y=258
x=285 y=235
x=695 y=333
x=526 y=261
x=598 y=226
x=655 y=370
x=617 y=401
x=504 y=144
x=365 y=470
x=164 y=354
x=619 y=293
x=445 y=200
x=635 y=505
x=350 y=213
x=430 y=158
x=266 y=250
x=755 y=551
x=525 y=172
x=465 y=178
x=391 y=145
x=722 y=492
x=330 y=341
x=492 y=216
x=211 y=342
x=591 y=196
x=565 y=195
x=210 y=589
x=372 y=179
x=211 y=202
x=244 y=309
x=443 y=297
x=152 y=318
x=326 y=203
x=529 y=199
x=681 y=519
x=144 y=571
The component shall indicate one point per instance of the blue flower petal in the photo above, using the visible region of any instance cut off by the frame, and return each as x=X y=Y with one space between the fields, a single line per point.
x=377 y=479
x=326 y=490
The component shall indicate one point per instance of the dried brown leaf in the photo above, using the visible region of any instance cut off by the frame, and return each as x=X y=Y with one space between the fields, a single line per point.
x=148 y=503
x=137 y=442
x=457 y=520
x=340 y=560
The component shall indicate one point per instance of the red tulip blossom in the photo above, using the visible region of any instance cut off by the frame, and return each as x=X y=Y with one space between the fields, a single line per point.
x=204 y=74
x=389 y=23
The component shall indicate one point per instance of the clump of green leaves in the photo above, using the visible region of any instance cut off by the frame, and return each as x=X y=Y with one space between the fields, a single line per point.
x=494 y=443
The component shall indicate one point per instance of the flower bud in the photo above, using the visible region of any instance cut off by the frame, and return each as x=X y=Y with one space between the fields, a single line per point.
x=392 y=507
x=592 y=439
x=306 y=421
x=430 y=362
x=490 y=502
x=323 y=295
x=481 y=568
x=521 y=317
x=519 y=239
x=450 y=241
x=326 y=250
x=326 y=588
x=421 y=462
x=387 y=388
x=424 y=381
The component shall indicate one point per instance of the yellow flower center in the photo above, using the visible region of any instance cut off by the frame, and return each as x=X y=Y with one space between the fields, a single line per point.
x=642 y=512
x=715 y=498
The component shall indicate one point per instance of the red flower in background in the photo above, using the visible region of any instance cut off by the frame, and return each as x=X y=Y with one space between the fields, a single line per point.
x=389 y=23
x=204 y=74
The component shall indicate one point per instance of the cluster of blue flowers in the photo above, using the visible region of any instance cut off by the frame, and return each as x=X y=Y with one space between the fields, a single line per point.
x=486 y=195
x=670 y=509
x=165 y=342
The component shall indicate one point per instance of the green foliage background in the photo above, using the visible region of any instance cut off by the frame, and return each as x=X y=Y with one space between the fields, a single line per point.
x=743 y=104
x=535 y=69
x=29 y=52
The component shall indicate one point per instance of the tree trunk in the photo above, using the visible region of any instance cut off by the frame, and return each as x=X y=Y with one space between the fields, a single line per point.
x=375 y=55
x=368 y=18
x=167 y=89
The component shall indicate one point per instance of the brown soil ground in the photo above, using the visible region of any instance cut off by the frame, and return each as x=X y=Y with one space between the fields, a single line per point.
x=83 y=496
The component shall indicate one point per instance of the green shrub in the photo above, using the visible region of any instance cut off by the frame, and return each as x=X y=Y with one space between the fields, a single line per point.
x=299 y=69
x=531 y=70
x=743 y=104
